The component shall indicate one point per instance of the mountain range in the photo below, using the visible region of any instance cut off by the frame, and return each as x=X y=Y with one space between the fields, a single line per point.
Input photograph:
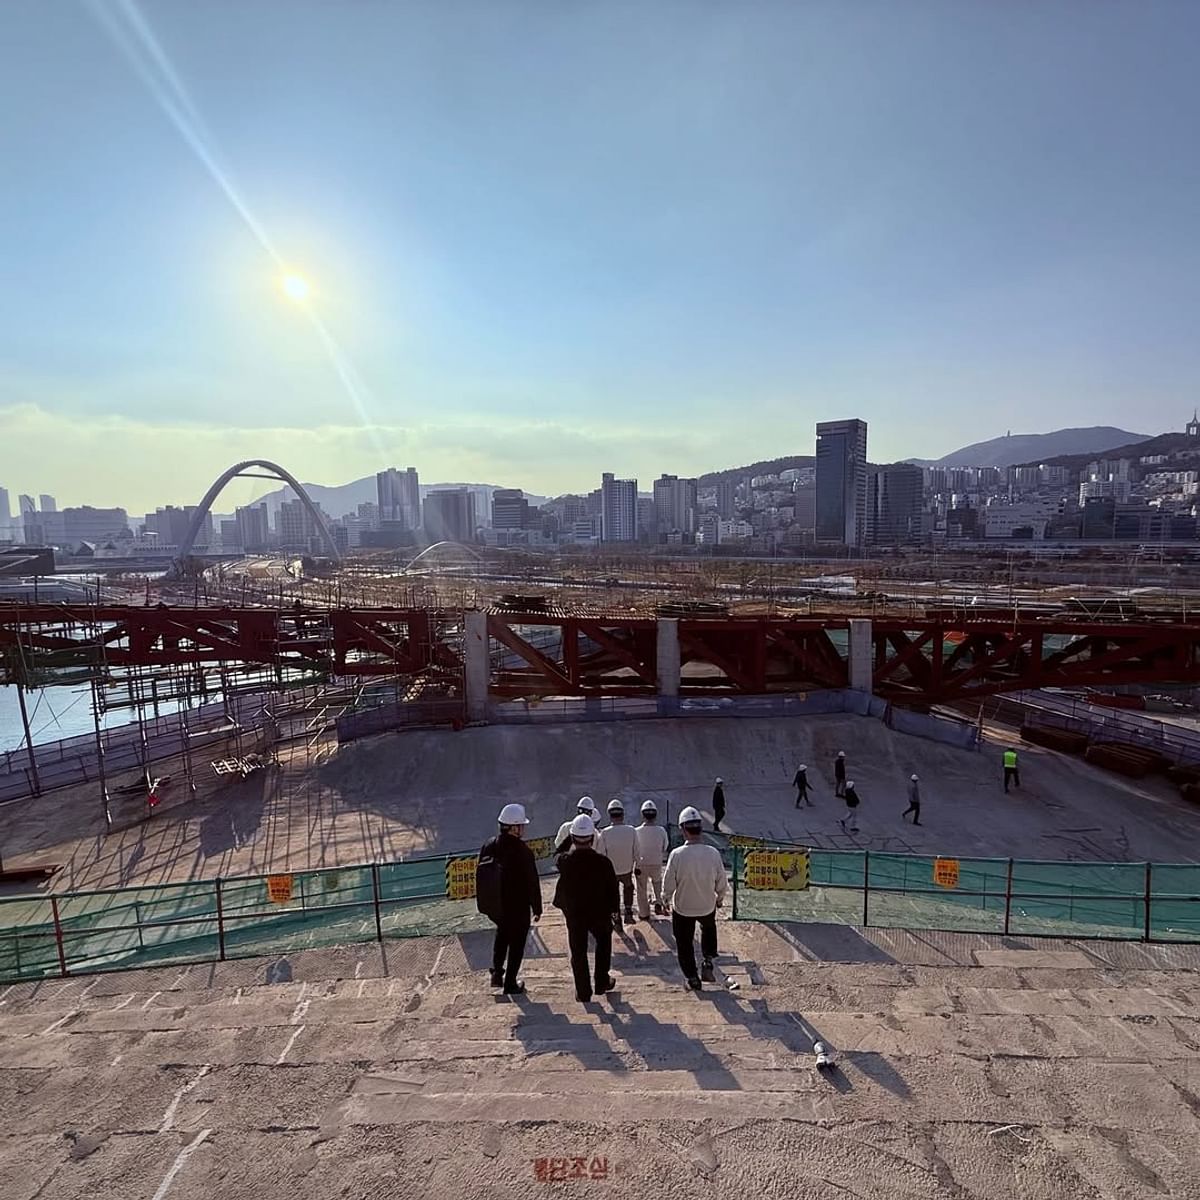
x=1016 y=448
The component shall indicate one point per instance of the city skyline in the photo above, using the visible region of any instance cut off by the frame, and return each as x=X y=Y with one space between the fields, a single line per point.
x=521 y=278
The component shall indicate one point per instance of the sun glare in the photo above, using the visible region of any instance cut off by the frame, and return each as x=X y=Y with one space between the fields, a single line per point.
x=296 y=287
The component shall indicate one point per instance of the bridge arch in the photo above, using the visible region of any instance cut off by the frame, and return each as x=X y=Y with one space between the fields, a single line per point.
x=274 y=471
x=441 y=547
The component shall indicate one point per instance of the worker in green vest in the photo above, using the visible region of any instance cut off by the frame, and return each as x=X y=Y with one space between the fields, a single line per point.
x=1010 y=769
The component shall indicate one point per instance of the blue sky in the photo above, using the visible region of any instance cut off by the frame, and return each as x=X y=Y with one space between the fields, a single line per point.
x=548 y=239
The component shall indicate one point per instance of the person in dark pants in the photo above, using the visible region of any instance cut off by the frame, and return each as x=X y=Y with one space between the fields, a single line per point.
x=914 y=800
x=1011 y=771
x=849 y=822
x=694 y=886
x=718 y=805
x=801 y=783
x=588 y=895
x=520 y=897
x=839 y=774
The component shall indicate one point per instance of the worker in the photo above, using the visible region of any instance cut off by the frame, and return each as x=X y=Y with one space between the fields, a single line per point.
x=801 y=783
x=562 y=839
x=839 y=773
x=718 y=805
x=652 y=846
x=694 y=887
x=914 y=800
x=620 y=848
x=510 y=894
x=1011 y=770
x=587 y=895
x=852 y=802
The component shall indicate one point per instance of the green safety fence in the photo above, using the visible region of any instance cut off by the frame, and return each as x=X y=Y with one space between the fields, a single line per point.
x=212 y=920
x=1130 y=901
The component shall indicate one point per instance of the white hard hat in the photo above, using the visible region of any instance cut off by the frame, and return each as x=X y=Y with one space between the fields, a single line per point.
x=586 y=804
x=648 y=807
x=513 y=814
x=690 y=816
x=849 y=783
x=841 y=754
x=913 y=775
x=803 y=767
x=615 y=805
x=719 y=780
x=583 y=826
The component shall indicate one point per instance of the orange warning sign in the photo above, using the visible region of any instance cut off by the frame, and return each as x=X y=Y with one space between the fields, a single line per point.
x=279 y=888
x=945 y=872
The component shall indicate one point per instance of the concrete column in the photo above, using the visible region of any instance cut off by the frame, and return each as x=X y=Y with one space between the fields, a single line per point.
x=861 y=656
x=477 y=668
x=668 y=656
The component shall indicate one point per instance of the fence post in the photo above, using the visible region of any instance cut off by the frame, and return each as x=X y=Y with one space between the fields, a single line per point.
x=375 y=889
x=1008 y=896
x=58 y=936
x=220 y=922
x=866 y=887
x=737 y=857
x=1146 y=927
x=137 y=916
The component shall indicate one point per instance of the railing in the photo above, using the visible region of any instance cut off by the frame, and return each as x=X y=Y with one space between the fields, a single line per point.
x=1126 y=901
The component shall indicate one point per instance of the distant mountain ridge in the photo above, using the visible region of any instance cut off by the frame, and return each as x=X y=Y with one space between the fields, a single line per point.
x=1018 y=448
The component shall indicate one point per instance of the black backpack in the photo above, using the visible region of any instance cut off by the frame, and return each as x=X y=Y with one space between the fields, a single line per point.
x=489 y=876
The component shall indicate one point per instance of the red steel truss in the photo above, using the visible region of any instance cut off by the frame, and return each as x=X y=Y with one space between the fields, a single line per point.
x=925 y=661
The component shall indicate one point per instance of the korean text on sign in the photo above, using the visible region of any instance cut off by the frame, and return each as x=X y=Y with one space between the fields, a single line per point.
x=542 y=847
x=945 y=872
x=279 y=889
x=777 y=870
x=460 y=878
x=565 y=1170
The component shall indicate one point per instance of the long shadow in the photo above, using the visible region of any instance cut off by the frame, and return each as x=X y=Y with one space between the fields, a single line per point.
x=541 y=1030
x=830 y=943
x=477 y=947
x=238 y=818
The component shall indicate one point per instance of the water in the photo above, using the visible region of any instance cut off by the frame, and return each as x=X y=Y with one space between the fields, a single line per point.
x=56 y=713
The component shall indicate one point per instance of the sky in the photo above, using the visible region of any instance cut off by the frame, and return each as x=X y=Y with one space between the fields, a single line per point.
x=551 y=238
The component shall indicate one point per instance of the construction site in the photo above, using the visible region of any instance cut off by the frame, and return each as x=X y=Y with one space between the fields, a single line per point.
x=234 y=955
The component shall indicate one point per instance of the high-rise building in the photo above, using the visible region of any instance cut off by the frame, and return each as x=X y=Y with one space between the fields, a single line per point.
x=5 y=510
x=449 y=515
x=49 y=504
x=726 y=499
x=894 y=502
x=297 y=528
x=27 y=504
x=254 y=528
x=510 y=509
x=674 y=506
x=842 y=482
x=618 y=509
x=399 y=496
x=88 y=524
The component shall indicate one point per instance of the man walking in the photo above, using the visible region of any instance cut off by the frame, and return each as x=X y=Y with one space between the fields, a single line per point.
x=914 y=800
x=718 y=805
x=652 y=846
x=849 y=822
x=587 y=895
x=801 y=783
x=839 y=774
x=562 y=839
x=507 y=884
x=1011 y=771
x=694 y=886
x=620 y=848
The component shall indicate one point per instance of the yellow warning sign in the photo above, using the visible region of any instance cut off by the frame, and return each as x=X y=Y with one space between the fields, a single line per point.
x=460 y=878
x=746 y=843
x=777 y=870
x=945 y=872
x=279 y=889
x=542 y=847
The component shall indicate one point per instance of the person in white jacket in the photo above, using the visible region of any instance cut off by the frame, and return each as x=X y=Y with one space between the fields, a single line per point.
x=619 y=846
x=694 y=886
x=652 y=846
x=585 y=808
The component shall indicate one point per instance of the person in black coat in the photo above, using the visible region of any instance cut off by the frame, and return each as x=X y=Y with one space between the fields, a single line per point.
x=588 y=895
x=839 y=773
x=520 y=897
x=718 y=804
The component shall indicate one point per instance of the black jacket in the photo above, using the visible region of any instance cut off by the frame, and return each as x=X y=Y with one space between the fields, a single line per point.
x=719 y=796
x=587 y=886
x=520 y=888
x=839 y=769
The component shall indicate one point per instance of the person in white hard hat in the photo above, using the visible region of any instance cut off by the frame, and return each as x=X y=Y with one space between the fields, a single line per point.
x=507 y=873
x=849 y=822
x=620 y=848
x=586 y=807
x=718 y=804
x=587 y=894
x=839 y=773
x=652 y=846
x=914 y=800
x=694 y=886
x=801 y=784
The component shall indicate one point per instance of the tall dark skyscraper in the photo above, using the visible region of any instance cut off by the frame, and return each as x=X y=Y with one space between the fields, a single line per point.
x=842 y=482
x=895 y=497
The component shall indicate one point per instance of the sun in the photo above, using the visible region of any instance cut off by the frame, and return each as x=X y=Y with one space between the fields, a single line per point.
x=295 y=287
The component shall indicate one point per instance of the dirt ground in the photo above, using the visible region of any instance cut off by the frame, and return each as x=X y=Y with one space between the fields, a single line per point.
x=400 y=794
